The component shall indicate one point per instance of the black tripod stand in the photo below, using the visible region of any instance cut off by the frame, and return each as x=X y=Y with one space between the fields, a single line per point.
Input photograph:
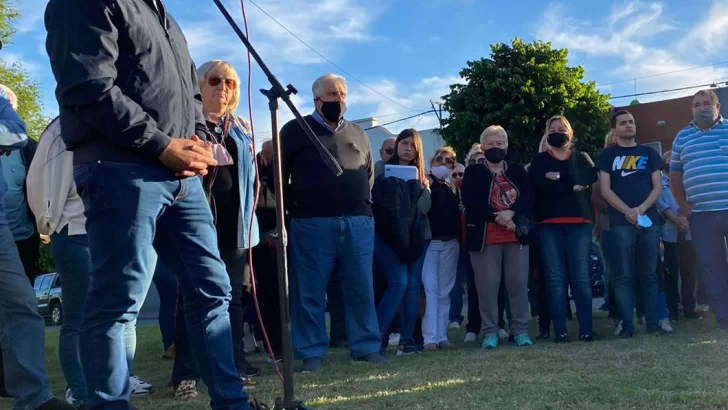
x=288 y=402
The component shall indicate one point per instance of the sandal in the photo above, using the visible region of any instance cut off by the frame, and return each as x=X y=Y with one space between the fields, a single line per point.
x=248 y=384
x=187 y=390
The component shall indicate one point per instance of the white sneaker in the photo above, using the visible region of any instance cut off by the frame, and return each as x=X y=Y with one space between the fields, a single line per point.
x=470 y=337
x=69 y=398
x=618 y=328
x=503 y=334
x=666 y=326
x=454 y=325
x=394 y=339
x=139 y=387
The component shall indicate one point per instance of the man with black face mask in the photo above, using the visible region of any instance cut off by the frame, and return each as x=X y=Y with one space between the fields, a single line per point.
x=331 y=227
x=699 y=182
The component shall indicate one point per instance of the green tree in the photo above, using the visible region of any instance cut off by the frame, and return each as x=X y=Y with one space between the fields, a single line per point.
x=520 y=87
x=29 y=98
x=14 y=76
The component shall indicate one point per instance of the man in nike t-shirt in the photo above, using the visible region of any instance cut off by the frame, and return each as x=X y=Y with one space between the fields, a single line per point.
x=630 y=182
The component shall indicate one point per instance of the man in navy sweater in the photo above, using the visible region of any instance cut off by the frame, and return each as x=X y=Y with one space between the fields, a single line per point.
x=331 y=227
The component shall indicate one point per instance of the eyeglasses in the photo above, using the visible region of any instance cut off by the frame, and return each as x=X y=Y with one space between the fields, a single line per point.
x=457 y=175
x=447 y=160
x=476 y=161
x=389 y=151
x=230 y=84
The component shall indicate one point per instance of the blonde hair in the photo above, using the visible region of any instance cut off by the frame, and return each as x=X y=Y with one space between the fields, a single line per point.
x=608 y=140
x=204 y=71
x=666 y=155
x=567 y=125
x=11 y=96
x=543 y=146
x=445 y=150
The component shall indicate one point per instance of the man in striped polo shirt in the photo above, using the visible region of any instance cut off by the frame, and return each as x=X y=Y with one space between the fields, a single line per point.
x=699 y=182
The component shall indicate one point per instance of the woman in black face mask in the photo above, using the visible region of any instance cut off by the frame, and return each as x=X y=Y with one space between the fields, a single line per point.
x=563 y=177
x=497 y=194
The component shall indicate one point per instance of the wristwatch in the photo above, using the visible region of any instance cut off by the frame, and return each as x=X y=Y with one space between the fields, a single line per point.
x=558 y=176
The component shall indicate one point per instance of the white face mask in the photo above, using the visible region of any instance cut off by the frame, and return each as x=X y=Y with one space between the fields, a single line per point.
x=441 y=172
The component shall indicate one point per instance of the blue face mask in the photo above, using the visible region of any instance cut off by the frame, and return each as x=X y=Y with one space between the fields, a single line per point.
x=705 y=117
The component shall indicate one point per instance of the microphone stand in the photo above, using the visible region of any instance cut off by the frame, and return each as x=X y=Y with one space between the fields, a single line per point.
x=288 y=402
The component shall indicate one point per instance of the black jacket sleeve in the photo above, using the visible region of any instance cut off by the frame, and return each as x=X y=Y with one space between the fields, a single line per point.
x=527 y=196
x=475 y=193
x=82 y=46
x=537 y=171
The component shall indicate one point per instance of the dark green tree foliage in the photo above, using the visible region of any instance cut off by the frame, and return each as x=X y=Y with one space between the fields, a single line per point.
x=520 y=87
x=15 y=77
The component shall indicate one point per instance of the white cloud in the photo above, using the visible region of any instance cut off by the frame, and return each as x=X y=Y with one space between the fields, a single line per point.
x=32 y=67
x=626 y=39
x=31 y=15
x=708 y=36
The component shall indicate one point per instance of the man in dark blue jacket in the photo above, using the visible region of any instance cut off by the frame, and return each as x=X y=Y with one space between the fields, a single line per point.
x=131 y=113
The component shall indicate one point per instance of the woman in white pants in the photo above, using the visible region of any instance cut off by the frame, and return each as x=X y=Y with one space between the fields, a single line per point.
x=439 y=271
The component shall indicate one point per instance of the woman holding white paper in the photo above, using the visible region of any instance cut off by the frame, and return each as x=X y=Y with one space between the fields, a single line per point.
x=403 y=278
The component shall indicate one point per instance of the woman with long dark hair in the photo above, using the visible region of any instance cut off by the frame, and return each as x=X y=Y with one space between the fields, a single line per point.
x=403 y=277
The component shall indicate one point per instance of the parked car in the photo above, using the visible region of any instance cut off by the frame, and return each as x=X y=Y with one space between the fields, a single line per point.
x=50 y=301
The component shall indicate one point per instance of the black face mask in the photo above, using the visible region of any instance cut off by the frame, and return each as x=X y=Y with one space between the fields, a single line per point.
x=495 y=155
x=333 y=111
x=557 y=139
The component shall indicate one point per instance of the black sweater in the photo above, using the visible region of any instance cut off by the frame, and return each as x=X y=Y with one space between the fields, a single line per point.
x=557 y=199
x=444 y=212
x=313 y=190
x=476 y=192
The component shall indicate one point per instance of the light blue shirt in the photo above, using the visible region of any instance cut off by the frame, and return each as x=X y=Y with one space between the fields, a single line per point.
x=702 y=157
x=321 y=121
x=665 y=202
x=13 y=136
x=14 y=172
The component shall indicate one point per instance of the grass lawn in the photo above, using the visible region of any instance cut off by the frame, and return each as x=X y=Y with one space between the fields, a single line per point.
x=688 y=370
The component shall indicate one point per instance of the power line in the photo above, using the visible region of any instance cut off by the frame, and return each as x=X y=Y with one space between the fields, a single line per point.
x=325 y=58
x=665 y=73
x=399 y=120
x=666 y=91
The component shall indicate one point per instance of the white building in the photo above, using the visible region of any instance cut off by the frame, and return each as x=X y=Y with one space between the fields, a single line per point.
x=431 y=139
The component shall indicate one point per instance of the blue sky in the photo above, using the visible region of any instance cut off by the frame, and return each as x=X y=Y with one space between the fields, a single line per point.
x=411 y=51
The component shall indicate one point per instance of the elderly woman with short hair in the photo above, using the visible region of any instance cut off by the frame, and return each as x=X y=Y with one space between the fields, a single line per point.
x=230 y=189
x=496 y=194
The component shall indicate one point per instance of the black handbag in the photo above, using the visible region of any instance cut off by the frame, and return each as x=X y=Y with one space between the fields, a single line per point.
x=526 y=229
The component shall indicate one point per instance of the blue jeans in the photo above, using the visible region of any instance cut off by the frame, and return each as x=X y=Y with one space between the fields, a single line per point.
x=636 y=252
x=129 y=209
x=23 y=356
x=403 y=287
x=456 y=295
x=318 y=246
x=709 y=231
x=568 y=246
x=166 y=283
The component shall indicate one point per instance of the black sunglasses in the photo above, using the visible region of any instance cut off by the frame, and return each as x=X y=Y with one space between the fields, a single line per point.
x=457 y=175
x=478 y=161
x=447 y=160
x=389 y=151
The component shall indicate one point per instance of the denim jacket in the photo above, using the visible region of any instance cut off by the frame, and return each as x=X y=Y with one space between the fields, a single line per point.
x=240 y=133
x=12 y=136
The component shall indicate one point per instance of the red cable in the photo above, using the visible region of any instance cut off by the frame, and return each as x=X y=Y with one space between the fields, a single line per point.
x=255 y=205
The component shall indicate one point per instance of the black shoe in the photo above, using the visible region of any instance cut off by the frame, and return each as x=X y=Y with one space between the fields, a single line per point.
x=373 y=358
x=55 y=404
x=255 y=405
x=407 y=348
x=3 y=392
x=587 y=338
x=312 y=365
x=691 y=315
x=251 y=371
x=562 y=339
x=544 y=335
x=624 y=334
